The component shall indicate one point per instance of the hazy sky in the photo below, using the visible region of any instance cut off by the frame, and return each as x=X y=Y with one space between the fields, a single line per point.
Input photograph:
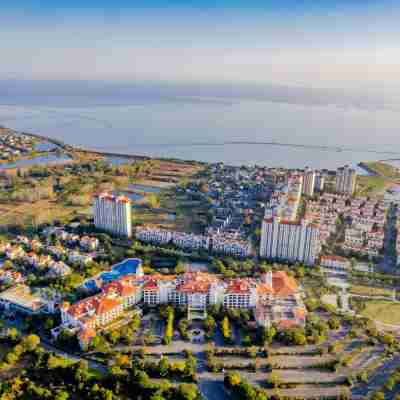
x=339 y=44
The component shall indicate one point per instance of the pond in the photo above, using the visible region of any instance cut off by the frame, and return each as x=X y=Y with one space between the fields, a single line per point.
x=46 y=146
x=116 y=161
x=40 y=160
x=144 y=188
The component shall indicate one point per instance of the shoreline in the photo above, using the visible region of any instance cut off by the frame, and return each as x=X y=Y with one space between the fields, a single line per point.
x=136 y=157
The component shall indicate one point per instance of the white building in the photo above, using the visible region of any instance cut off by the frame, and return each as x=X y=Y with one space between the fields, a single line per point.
x=336 y=263
x=346 y=180
x=319 y=182
x=113 y=214
x=309 y=182
x=289 y=241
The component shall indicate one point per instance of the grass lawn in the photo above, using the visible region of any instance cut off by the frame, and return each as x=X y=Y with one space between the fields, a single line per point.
x=383 y=311
x=370 y=291
x=383 y=169
x=371 y=185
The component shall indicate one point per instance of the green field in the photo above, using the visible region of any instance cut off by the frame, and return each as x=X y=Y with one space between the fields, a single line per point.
x=371 y=185
x=383 y=311
x=383 y=169
x=370 y=291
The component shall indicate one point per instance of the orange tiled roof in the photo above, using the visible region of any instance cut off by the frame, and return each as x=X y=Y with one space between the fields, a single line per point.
x=283 y=285
x=287 y=323
x=194 y=287
x=239 y=286
x=120 y=287
x=300 y=313
x=98 y=305
x=86 y=335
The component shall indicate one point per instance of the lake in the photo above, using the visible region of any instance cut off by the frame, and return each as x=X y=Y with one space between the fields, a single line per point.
x=145 y=189
x=50 y=159
x=209 y=130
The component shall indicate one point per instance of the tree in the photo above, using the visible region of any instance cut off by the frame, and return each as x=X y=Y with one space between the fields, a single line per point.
x=11 y=358
x=62 y=395
x=268 y=335
x=163 y=367
x=232 y=379
x=122 y=360
x=334 y=323
x=378 y=396
x=226 y=329
x=30 y=342
x=153 y=201
x=13 y=334
x=187 y=391
x=273 y=379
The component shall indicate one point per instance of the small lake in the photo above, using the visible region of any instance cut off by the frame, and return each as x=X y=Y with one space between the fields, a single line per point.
x=146 y=189
x=40 y=160
x=46 y=146
x=116 y=161
x=361 y=171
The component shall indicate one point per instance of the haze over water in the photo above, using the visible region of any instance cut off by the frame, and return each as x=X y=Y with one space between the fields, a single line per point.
x=196 y=128
x=185 y=79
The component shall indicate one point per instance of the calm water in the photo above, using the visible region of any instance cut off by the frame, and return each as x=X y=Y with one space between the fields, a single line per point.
x=144 y=188
x=197 y=130
x=39 y=160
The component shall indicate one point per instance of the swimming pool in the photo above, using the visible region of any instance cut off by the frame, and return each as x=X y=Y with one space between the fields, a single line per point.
x=129 y=266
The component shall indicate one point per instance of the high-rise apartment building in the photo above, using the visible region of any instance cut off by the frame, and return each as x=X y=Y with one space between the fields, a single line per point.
x=289 y=241
x=113 y=214
x=319 y=182
x=308 y=182
x=346 y=180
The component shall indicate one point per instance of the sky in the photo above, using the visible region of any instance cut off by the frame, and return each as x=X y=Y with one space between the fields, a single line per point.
x=342 y=45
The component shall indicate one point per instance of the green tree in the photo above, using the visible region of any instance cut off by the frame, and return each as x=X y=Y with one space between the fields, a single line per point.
x=163 y=367
x=268 y=335
x=226 y=329
x=378 y=396
x=187 y=391
x=30 y=342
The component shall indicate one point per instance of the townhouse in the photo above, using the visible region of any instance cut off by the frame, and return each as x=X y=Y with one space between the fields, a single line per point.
x=335 y=263
x=226 y=243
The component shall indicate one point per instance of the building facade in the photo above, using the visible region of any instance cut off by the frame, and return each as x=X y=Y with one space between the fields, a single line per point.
x=309 y=182
x=290 y=241
x=113 y=214
x=345 y=180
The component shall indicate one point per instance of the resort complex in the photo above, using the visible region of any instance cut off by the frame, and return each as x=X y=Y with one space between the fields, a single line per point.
x=274 y=298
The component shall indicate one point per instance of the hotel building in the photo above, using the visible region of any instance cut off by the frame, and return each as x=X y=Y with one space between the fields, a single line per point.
x=274 y=299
